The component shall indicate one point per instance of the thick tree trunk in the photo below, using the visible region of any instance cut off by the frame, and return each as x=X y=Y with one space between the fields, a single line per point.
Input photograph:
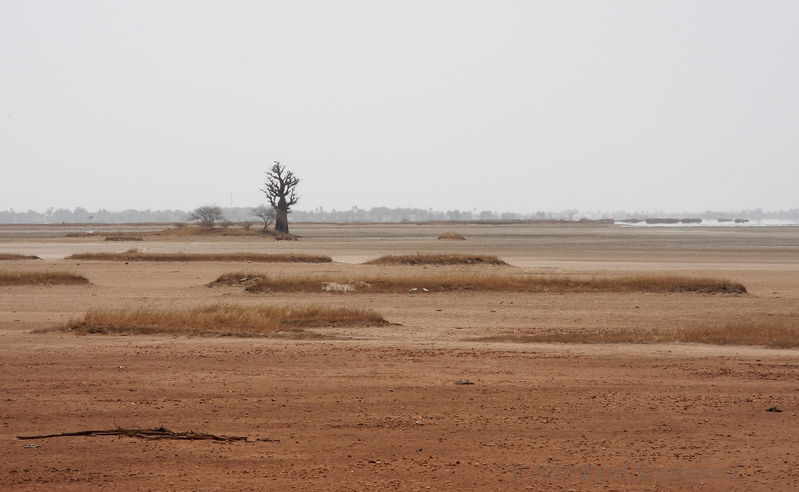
x=282 y=217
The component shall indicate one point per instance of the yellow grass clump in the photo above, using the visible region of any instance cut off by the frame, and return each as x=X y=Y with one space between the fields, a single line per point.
x=455 y=282
x=136 y=255
x=221 y=320
x=443 y=259
x=41 y=278
x=14 y=256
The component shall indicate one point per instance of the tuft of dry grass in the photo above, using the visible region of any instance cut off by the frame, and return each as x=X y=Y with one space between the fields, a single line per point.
x=41 y=278
x=582 y=336
x=451 y=236
x=759 y=332
x=14 y=256
x=456 y=282
x=779 y=333
x=658 y=283
x=136 y=255
x=221 y=320
x=283 y=236
x=122 y=237
x=184 y=230
x=444 y=259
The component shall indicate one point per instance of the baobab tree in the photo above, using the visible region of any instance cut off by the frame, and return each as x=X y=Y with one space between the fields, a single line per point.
x=280 y=190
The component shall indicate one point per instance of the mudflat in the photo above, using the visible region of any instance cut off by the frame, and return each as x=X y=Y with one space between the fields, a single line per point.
x=454 y=393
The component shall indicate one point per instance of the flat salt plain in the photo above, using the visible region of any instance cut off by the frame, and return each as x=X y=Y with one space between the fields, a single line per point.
x=359 y=408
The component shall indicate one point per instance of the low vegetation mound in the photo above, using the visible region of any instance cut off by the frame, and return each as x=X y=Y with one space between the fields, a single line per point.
x=776 y=333
x=258 y=282
x=284 y=236
x=221 y=320
x=182 y=230
x=451 y=236
x=41 y=278
x=136 y=255
x=451 y=259
x=122 y=237
x=769 y=333
x=14 y=256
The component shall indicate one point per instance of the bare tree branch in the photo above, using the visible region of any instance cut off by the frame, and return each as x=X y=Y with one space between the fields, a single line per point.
x=157 y=433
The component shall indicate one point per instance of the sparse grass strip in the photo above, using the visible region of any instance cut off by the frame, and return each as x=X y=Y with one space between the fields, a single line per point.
x=458 y=282
x=443 y=259
x=451 y=236
x=583 y=336
x=768 y=333
x=136 y=255
x=123 y=237
x=14 y=256
x=221 y=320
x=42 y=278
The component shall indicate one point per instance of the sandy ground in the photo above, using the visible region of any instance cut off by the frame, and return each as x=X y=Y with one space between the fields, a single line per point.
x=379 y=408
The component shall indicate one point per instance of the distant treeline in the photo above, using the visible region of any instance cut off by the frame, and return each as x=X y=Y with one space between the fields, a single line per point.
x=376 y=214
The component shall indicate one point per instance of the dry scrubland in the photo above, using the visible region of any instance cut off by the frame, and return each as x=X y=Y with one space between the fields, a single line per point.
x=454 y=282
x=221 y=320
x=136 y=255
x=14 y=256
x=373 y=357
x=44 y=278
x=424 y=259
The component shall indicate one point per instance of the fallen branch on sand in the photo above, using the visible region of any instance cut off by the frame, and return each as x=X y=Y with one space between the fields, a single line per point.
x=156 y=433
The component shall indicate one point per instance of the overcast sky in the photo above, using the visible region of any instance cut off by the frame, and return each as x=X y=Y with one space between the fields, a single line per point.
x=498 y=105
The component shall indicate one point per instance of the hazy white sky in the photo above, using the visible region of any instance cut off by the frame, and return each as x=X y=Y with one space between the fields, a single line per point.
x=498 y=105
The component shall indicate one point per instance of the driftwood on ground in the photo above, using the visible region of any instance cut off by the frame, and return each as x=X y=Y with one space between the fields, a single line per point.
x=156 y=433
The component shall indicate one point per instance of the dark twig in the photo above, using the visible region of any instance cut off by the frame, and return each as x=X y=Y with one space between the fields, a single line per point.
x=156 y=433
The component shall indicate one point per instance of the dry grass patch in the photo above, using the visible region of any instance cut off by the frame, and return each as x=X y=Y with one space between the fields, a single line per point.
x=284 y=236
x=183 y=230
x=451 y=236
x=769 y=333
x=42 y=278
x=451 y=259
x=221 y=320
x=583 y=336
x=14 y=256
x=122 y=237
x=456 y=282
x=657 y=283
x=778 y=333
x=136 y=255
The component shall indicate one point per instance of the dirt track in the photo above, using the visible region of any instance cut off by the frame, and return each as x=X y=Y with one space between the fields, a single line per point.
x=374 y=408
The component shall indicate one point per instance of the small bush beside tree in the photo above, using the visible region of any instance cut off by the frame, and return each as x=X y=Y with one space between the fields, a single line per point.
x=206 y=215
x=266 y=214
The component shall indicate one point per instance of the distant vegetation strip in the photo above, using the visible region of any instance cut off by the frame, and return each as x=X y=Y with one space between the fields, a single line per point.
x=136 y=255
x=221 y=320
x=14 y=256
x=457 y=282
x=770 y=333
x=442 y=259
x=41 y=278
